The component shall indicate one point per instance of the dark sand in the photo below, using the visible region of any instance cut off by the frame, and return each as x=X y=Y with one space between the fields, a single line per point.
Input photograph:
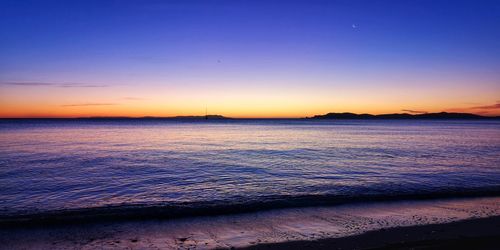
x=481 y=233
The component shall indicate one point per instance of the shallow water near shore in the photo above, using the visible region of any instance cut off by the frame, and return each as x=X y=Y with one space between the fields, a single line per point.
x=78 y=164
x=250 y=229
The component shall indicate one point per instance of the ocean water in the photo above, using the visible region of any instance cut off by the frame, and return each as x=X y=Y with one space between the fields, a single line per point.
x=48 y=166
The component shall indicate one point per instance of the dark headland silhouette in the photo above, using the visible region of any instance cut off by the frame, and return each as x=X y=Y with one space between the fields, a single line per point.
x=436 y=116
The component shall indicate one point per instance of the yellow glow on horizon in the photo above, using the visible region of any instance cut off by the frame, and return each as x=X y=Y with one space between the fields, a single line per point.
x=242 y=109
x=275 y=101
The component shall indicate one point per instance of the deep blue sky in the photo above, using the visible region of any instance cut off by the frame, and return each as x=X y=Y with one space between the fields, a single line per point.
x=287 y=54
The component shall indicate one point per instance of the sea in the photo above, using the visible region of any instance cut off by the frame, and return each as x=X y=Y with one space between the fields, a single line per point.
x=53 y=168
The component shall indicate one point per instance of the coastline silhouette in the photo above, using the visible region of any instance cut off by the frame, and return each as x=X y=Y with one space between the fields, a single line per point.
x=328 y=116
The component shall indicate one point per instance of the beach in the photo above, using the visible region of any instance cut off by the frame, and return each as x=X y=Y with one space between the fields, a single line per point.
x=398 y=224
x=468 y=234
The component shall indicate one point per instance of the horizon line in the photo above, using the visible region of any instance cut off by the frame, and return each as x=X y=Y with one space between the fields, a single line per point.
x=242 y=118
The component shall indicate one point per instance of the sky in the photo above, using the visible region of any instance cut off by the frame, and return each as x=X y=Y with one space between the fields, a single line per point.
x=248 y=58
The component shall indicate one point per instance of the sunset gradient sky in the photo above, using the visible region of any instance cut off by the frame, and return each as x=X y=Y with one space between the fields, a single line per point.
x=248 y=58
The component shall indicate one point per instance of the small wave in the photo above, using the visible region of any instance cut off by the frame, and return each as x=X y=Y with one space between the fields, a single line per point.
x=210 y=208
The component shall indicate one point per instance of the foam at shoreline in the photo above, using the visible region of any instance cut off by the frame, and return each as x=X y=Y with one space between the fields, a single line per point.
x=240 y=230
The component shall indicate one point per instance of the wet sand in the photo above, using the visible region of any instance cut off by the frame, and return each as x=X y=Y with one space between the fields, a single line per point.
x=481 y=233
x=387 y=223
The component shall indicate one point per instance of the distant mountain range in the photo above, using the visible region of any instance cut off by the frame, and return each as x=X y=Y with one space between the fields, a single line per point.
x=433 y=116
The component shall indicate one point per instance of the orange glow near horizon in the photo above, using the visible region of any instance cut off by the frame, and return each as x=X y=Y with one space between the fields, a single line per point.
x=277 y=102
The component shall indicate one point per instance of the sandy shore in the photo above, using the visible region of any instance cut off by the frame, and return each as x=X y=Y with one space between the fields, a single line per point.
x=481 y=233
x=385 y=223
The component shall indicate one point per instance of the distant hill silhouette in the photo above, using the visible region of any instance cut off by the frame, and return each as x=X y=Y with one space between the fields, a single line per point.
x=436 y=116
x=209 y=117
x=190 y=117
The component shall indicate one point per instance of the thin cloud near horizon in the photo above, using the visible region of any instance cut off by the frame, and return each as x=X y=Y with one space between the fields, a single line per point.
x=482 y=109
x=493 y=106
x=53 y=84
x=88 y=104
x=414 y=111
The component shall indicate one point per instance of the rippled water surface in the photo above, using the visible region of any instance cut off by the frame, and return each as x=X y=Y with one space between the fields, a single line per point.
x=52 y=165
